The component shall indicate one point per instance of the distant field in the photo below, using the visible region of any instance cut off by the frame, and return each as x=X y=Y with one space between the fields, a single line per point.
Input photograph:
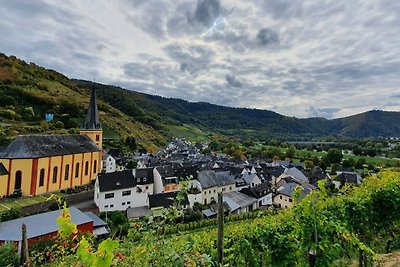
x=189 y=132
x=369 y=160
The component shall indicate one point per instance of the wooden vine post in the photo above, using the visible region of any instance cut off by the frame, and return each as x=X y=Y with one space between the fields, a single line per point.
x=220 y=241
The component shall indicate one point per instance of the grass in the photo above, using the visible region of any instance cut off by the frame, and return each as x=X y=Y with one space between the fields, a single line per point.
x=189 y=132
x=6 y=204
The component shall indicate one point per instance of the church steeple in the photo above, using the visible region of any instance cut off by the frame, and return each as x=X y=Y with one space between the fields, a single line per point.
x=92 y=121
x=92 y=126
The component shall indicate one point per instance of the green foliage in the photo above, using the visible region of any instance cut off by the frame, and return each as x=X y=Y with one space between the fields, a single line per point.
x=10 y=214
x=9 y=255
x=103 y=257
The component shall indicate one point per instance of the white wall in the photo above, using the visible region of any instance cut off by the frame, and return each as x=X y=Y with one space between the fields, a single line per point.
x=109 y=164
x=119 y=202
x=158 y=185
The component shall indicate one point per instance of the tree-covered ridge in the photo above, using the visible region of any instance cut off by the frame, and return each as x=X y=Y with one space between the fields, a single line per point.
x=243 y=122
x=28 y=92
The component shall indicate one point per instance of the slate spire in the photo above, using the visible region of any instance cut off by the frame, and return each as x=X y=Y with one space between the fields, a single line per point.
x=92 y=121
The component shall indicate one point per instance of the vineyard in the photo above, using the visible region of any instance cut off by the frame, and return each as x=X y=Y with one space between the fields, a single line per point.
x=350 y=227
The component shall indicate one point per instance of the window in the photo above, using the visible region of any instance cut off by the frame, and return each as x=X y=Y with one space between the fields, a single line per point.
x=205 y=192
x=95 y=166
x=280 y=197
x=230 y=188
x=112 y=206
x=18 y=180
x=128 y=202
x=66 y=174
x=144 y=179
x=97 y=137
x=209 y=192
x=41 y=177
x=106 y=206
x=123 y=203
x=77 y=170
x=147 y=187
x=97 y=196
x=214 y=190
x=126 y=193
x=86 y=167
x=55 y=171
x=205 y=201
x=290 y=200
x=109 y=195
x=223 y=189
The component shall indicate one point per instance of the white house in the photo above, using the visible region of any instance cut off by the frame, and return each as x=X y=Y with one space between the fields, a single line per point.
x=251 y=178
x=109 y=164
x=262 y=192
x=124 y=189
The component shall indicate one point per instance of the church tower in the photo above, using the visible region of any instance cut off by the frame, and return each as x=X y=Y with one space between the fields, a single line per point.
x=92 y=127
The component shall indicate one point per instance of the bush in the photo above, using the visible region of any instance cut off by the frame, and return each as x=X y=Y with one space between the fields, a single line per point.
x=8 y=255
x=10 y=214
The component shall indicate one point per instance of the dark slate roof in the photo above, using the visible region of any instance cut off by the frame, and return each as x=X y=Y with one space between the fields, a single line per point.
x=144 y=176
x=187 y=171
x=3 y=170
x=166 y=171
x=39 y=224
x=164 y=200
x=348 y=177
x=41 y=146
x=116 y=180
x=209 y=179
x=258 y=191
x=92 y=121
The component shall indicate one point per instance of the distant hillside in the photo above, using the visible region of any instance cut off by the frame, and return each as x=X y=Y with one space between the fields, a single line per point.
x=241 y=122
x=28 y=92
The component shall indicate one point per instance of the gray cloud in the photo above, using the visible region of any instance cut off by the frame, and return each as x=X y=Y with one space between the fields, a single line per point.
x=192 y=59
x=232 y=80
x=312 y=55
x=322 y=112
x=206 y=12
x=267 y=36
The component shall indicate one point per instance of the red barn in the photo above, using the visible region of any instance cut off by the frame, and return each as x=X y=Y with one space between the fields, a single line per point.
x=42 y=226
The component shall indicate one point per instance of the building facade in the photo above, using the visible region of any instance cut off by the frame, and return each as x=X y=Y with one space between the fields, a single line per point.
x=38 y=164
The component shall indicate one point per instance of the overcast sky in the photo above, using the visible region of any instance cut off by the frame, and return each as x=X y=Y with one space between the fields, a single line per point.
x=299 y=58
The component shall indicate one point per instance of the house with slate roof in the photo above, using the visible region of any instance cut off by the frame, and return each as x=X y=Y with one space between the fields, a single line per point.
x=37 y=164
x=209 y=184
x=124 y=189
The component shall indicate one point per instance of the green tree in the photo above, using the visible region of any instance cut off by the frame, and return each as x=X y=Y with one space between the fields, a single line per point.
x=291 y=152
x=334 y=155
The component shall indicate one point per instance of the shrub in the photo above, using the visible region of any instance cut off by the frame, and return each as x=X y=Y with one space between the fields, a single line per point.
x=8 y=255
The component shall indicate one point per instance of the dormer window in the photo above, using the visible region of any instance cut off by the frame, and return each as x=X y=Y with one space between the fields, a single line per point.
x=144 y=179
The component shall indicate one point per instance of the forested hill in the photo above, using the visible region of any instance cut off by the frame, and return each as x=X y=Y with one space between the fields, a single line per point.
x=29 y=91
x=242 y=122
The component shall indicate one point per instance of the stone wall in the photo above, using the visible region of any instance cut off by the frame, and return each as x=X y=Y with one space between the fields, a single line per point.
x=45 y=206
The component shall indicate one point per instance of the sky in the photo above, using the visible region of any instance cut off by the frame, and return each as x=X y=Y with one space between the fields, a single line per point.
x=314 y=58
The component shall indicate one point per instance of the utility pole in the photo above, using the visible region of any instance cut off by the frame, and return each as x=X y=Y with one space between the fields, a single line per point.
x=220 y=241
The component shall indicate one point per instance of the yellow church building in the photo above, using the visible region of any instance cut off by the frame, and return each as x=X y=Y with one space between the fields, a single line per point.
x=37 y=164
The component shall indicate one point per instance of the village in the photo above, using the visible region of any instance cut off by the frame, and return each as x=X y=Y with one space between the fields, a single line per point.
x=33 y=165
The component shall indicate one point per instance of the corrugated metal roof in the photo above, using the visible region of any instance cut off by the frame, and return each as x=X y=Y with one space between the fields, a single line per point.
x=41 y=146
x=39 y=224
x=96 y=220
